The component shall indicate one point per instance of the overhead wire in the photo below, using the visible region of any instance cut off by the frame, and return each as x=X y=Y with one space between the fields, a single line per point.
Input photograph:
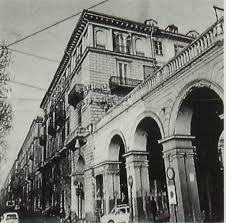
x=27 y=85
x=20 y=99
x=56 y=23
x=34 y=55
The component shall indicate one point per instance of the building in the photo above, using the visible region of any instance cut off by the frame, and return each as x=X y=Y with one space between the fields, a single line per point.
x=105 y=59
x=127 y=117
x=24 y=182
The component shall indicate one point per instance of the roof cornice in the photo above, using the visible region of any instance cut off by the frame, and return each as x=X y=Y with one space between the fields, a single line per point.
x=91 y=16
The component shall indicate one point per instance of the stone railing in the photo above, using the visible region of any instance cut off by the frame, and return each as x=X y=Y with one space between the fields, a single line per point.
x=199 y=46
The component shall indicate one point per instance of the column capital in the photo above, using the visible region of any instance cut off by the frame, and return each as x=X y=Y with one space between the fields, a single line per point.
x=176 y=137
x=178 y=145
x=136 y=153
x=107 y=167
x=138 y=158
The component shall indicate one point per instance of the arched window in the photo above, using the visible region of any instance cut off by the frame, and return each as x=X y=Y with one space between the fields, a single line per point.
x=100 y=39
x=139 y=47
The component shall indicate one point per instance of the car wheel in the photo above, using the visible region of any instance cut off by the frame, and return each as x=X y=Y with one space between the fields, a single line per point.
x=111 y=221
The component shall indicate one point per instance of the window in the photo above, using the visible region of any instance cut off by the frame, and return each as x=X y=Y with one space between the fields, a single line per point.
x=123 y=70
x=177 y=48
x=100 y=39
x=139 y=47
x=158 y=47
x=121 y=42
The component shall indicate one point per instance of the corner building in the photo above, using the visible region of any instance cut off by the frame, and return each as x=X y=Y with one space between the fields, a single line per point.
x=125 y=102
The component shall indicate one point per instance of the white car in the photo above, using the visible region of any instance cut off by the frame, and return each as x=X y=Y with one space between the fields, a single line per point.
x=119 y=214
x=10 y=217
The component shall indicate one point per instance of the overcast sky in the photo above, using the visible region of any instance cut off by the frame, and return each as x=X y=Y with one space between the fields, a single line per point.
x=21 y=17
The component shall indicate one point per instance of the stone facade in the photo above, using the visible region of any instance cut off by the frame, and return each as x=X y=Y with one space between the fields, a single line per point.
x=123 y=103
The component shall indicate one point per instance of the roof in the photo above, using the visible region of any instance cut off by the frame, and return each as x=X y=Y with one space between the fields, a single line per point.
x=91 y=16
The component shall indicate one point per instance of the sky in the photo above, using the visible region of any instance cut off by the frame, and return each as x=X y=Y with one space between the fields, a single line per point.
x=19 y=18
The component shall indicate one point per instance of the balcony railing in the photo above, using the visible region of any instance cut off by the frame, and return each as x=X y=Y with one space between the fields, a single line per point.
x=75 y=95
x=122 y=49
x=118 y=84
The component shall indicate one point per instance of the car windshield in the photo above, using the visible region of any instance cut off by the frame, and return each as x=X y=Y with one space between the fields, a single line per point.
x=11 y=216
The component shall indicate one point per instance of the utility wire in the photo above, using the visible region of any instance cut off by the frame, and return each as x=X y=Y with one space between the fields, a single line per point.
x=20 y=99
x=33 y=55
x=57 y=23
x=27 y=85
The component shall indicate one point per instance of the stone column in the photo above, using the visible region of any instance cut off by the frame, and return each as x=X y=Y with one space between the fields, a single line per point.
x=89 y=188
x=111 y=185
x=110 y=40
x=137 y=167
x=181 y=179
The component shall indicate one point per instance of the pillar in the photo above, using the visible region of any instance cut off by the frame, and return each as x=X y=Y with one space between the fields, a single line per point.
x=89 y=190
x=181 y=179
x=90 y=39
x=137 y=167
x=111 y=185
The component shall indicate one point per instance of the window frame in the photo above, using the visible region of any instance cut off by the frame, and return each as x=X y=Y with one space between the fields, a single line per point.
x=158 y=47
x=125 y=69
x=97 y=45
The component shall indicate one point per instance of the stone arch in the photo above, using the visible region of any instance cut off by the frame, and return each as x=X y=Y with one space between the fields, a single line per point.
x=145 y=135
x=198 y=114
x=117 y=150
x=112 y=147
x=175 y=120
x=139 y=118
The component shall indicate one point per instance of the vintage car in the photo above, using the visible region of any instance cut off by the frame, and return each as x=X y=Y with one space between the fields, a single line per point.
x=119 y=214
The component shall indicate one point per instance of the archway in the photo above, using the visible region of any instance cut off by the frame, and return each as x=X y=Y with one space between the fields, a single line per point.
x=146 y=138
x=199 y=116
x=116 y=152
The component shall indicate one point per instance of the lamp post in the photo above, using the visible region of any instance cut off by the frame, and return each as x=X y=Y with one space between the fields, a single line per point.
x=130 y=181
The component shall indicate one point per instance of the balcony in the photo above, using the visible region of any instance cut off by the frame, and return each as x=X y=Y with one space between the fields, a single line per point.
x=122 y=85
x=77 y=138
x=75 y=95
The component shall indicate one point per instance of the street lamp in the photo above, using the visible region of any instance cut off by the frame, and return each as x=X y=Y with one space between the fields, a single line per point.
x=130 y=181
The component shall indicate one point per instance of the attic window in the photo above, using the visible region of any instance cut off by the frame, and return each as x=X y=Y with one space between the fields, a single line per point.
x=139 y=47
x=100 y=39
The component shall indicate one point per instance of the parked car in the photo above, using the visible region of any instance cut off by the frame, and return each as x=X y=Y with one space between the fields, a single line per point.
x=119 y=214
x=10 y=217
